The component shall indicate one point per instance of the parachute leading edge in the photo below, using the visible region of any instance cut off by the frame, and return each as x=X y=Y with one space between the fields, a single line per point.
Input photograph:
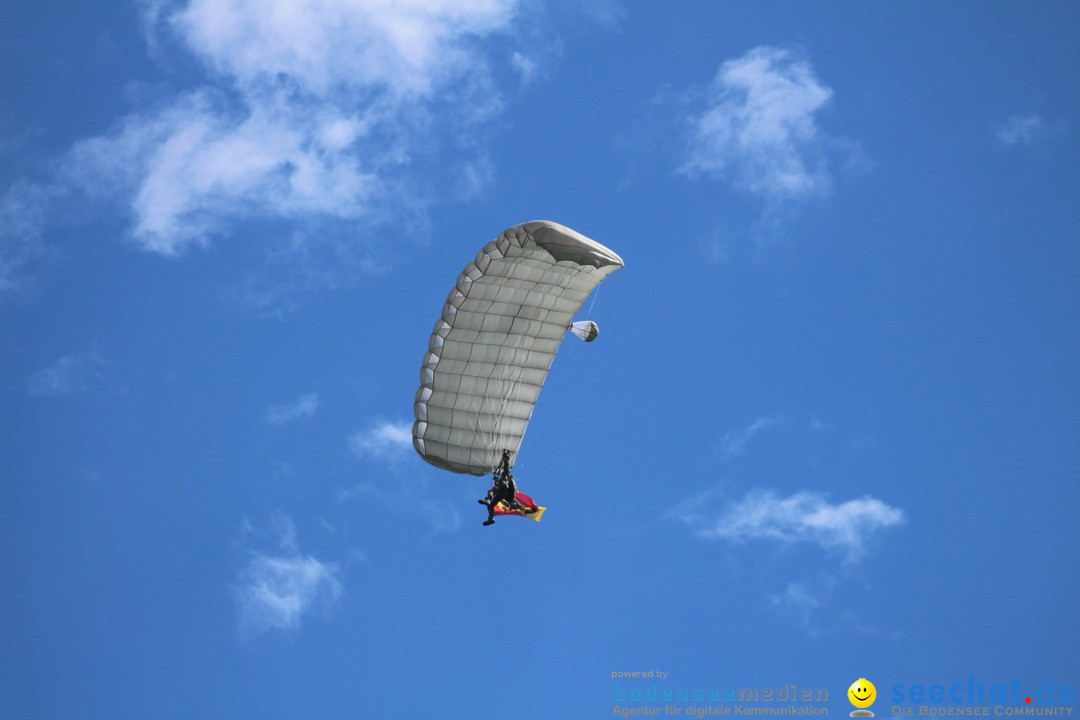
x=491 y=349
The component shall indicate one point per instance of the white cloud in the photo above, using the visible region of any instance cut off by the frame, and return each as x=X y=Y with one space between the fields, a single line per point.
x=193 y=168
x=313 y=109
x=1021 y=130
x=411 y=47
x=525 y=66
x=804 y=517
x=797 y=596
x=758 y=129
x=734 y=442
x=277 y=590
x=390 y=443
x=302 y=408
x=383 y=441
x=71 y=374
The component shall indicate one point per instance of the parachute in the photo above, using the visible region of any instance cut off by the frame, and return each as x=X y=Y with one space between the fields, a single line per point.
x=585 y=329
x=491 y=350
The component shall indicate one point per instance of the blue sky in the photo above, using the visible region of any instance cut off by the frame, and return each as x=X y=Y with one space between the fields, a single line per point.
x=831 y=428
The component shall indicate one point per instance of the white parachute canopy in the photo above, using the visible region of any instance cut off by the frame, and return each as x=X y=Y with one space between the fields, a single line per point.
x=494 y=344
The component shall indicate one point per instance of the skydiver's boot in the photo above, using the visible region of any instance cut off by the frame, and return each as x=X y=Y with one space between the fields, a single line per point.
x=489 y=521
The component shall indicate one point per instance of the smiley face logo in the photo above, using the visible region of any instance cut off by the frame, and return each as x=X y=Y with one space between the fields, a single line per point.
x=862 y=693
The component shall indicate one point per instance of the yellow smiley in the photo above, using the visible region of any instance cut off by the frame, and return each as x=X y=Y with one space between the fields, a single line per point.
x=862 y=693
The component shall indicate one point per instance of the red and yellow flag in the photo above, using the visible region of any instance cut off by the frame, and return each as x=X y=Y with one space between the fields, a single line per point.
x=525 y=508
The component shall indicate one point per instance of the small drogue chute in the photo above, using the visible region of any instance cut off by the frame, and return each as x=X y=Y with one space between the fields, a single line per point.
x=585 y=329
x=493 y=345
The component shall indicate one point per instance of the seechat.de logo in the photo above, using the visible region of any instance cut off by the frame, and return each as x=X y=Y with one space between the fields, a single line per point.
x=862 y=694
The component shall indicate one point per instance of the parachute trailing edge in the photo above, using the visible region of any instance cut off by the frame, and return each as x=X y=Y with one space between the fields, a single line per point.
x=492 y=347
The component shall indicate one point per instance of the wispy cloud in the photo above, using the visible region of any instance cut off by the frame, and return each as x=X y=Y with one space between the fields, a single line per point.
x=386 y=441
x=22 y=215
x=409 y=47
x=525 y=66
x=412 y=500
x=300 y=409
x=823 y=606
x=610 y=14
x=390 y=445
x=804 y=517
x=1021 y=130
x=796 y=595
x=311 y=109
x=276 y=590
x=797 y=600
x=734 y=442
x=758 y=129
x=71 y=374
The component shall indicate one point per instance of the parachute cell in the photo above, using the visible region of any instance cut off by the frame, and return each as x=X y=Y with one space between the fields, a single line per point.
x=491 y=350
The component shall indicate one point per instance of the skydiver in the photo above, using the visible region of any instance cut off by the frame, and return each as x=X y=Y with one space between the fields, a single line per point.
x=501 y=470
x=503 y=489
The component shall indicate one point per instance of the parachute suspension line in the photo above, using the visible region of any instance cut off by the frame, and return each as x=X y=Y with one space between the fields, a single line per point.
x=489 y=436
x=587 y=330
x=511 y=376
x=474 y=425
x=570 y=328
x=595 y=299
